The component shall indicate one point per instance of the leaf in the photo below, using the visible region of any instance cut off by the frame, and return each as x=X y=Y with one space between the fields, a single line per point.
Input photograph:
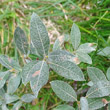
x=10 y=98
x=84 y=57
x=28 y=70
x=39 y=77
x=3 y=77
x=95 y=74
x=67 y=69
x=4 y=107
x=56 y=45
x=87 y=47
x=39 y=35
x=9 y=62
x=108 y=73
x=84 y=103
x=105 y=52
x=99 y=89
x=95 y=103
x=13 y=83
x=60 y=55
x=20 y=40
x=27 y=98
x=2 y=92
x=90 y=83
x=66 y=37
x=64 y=107
x=33 y=49
x=17 y=105
x=63 y=91
x=75 y=36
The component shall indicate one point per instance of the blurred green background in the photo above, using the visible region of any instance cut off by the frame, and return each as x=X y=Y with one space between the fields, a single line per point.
x=92 y=17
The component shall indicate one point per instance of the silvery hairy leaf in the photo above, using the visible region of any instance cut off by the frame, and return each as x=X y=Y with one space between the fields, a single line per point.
x=39 y=35
x=63 y=90
x=21 y=40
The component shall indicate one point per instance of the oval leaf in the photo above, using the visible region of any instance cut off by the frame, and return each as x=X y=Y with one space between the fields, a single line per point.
x=17 y=105
x=33 y=49
x=84 y=103
x=60 y=55
x=105 y=52
x=39 y=77
x=2 y=92
x=3 y=77
x=9 y=62
x=67 y=69
x=84 y=57
x=4 y=107
x=75 y=36
x=96 y=74
x=56 y=45
x=99 y=89
x=87 y=47
x=64 y=91
x=27 y=98
x=95 y=103
x=13 y=83
x=39 y=35
x=10 y=98
x=28 y=70
x=21 y=40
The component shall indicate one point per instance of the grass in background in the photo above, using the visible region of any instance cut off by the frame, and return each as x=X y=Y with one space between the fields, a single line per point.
x=92 y=17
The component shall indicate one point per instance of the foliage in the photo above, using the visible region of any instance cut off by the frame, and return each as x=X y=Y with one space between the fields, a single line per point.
x=35 y=72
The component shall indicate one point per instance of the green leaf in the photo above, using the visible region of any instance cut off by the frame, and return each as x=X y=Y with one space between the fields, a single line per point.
x=63 y=90
x=90 y=83
x=28 y=70
x=3 y=77
x=56 y=45
x=17 y=105
x=95 y=74
x=2 y=92
x=67 y=69
x=64 y=107
x=21 y=40
x=33 y=49
x=87 y=47
x=75 y=36
x=84 y=103
x=39 y=35
x=66 y=37
x=60 y=55
x=13 y=83
x=39 y=77
x=105 y=52
x=95 y=103
x=99 y=89
x=27 y=98
x=4 y=107
x=108 y=73
x=84 y=57
x=9 y=62
x=10 y=98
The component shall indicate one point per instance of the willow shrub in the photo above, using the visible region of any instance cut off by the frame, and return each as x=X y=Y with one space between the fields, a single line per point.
x=63 y=62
